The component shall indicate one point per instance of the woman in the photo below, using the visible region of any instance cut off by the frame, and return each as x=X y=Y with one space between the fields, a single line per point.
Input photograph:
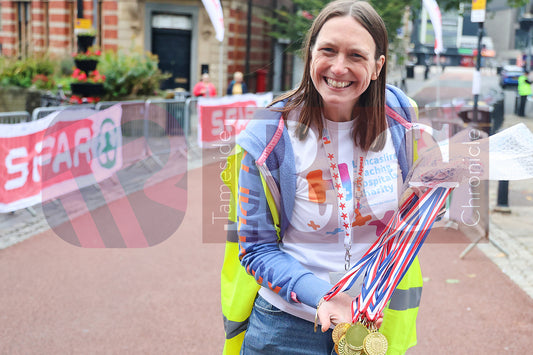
x=205 y=87
x=333 y=140
x=237 y=86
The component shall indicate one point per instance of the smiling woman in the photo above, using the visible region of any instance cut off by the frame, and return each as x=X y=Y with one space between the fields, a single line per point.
x=319 y=180
x=342 y=67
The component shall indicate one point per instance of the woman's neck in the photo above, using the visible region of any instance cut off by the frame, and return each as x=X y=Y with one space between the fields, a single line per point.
x=338 y=114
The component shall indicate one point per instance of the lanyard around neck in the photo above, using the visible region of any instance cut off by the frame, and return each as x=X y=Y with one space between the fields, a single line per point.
x=345 y=216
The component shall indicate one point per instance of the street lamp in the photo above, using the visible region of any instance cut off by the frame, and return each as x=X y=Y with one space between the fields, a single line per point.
x=526 y=24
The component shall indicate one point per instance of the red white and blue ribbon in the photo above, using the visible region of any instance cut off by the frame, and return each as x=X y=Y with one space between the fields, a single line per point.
x=388 y=259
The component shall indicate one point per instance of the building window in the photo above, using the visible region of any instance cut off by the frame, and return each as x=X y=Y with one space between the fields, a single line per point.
x=23 y=13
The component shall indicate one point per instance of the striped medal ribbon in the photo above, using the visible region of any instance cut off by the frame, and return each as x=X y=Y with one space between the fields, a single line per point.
x=388 y=259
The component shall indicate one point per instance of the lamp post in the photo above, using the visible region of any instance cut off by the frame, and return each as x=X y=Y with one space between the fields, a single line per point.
x=526 y=24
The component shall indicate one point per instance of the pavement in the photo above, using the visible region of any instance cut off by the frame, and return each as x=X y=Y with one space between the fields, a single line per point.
x=63 y=299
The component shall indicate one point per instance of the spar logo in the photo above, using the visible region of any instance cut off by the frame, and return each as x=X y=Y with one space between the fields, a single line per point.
x=107 y=144
x=109 y=186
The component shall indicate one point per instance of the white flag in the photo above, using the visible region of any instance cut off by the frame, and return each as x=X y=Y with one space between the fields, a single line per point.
x=432 y=8
x=214 y=10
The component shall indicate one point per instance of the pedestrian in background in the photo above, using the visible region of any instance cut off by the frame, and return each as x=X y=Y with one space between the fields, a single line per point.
x=237 y=86
x=524 y=90
x=205 y=87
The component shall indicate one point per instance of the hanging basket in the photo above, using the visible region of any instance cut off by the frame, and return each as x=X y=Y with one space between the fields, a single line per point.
x=86 y=65
x=87 y=89
x=84 y=42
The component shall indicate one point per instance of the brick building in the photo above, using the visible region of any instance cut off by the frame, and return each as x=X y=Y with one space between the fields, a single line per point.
x=178 y=31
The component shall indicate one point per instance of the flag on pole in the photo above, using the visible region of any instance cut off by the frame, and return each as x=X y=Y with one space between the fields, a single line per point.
x=214 y=10
x=433 y=10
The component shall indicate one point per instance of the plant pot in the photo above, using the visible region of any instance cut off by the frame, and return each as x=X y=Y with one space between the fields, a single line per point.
x=84 y=42
x=86 y=65
x=87 y=89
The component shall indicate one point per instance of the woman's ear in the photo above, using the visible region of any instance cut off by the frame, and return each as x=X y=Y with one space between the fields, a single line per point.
x=379 y=64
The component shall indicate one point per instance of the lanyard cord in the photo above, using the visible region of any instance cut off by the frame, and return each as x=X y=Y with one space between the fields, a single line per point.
x=345 y=216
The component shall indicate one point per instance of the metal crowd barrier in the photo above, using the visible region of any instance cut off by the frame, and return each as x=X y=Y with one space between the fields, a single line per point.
x=41 y=112
x=14 y=117
x=169 y=114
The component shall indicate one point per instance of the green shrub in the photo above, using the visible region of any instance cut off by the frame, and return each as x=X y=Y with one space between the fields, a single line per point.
x=22 y=72
x=135 y=73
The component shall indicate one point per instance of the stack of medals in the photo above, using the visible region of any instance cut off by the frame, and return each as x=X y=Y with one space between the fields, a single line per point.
x=358 y=338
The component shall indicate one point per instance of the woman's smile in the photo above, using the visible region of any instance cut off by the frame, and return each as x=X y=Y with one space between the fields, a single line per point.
x=337 y=84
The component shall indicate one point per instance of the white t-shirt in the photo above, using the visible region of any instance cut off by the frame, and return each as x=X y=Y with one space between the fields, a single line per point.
x=315 y=236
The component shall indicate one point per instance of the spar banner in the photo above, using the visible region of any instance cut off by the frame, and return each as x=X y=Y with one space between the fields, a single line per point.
x=220 y=119
x=58 y=154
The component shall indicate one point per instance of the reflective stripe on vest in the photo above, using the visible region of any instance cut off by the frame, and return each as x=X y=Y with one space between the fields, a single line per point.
x=232 y=235
x=402 y=300
x=234 y=328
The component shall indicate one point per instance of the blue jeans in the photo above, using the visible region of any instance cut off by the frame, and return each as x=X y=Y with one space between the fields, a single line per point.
x=272 y=331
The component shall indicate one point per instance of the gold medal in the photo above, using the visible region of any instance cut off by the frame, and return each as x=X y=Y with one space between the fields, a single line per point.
x=339 y=331
x=341 y=345
x=342 y=348
x=375 y=343
x=355 y=335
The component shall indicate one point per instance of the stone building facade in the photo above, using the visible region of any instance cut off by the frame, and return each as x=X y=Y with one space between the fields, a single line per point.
x=178 y=31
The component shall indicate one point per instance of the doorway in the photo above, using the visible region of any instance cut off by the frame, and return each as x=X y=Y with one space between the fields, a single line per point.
x=171 y=42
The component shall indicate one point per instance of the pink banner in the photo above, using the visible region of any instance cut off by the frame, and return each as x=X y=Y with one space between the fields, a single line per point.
x=221 y=119
x=57 y=154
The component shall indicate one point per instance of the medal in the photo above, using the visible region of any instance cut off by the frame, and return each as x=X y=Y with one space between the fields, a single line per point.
x=375 y=343
x=344 y=349
x=355 y=336
x=339 y=331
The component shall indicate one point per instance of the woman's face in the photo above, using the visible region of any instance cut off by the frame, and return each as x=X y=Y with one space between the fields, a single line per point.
x=342 y=65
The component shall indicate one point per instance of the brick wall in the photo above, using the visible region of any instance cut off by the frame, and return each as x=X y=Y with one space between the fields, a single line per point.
x=51 y=26
x=237 y=36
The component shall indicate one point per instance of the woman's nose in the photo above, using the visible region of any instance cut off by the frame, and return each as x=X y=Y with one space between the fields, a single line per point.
x=339 y=64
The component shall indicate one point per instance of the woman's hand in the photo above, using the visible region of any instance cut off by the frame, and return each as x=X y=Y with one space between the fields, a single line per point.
x=338 y=310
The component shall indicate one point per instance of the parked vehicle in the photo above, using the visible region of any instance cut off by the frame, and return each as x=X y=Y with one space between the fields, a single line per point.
x=509 y=75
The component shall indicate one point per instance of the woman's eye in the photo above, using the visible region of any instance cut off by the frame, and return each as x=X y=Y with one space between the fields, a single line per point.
x=356 y=55
x=327 y=50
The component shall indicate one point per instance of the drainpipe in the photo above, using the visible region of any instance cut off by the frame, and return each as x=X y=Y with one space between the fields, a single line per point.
x=248 y=40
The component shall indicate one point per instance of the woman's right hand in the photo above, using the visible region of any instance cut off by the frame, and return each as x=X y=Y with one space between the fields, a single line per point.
x=336 y=310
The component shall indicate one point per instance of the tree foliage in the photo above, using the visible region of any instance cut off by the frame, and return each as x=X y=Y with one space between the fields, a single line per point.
x=291 y=25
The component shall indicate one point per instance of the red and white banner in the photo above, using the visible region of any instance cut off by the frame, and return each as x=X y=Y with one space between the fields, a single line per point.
x=58 y=154
x=214 y=10
x=433 y=10
x=220 y=119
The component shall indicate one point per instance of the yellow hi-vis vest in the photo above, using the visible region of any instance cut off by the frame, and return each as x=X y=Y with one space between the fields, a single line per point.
x=239 y=289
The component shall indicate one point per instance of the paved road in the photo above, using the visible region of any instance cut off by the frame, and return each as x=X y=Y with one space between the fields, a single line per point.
x=60 y=299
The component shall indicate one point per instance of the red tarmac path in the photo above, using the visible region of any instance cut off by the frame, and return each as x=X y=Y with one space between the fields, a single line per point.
x=62 y=299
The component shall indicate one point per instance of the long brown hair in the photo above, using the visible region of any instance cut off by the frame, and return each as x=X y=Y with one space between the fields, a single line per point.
x=371 y=104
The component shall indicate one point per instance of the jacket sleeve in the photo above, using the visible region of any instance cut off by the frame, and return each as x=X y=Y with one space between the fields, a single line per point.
x=260 y=253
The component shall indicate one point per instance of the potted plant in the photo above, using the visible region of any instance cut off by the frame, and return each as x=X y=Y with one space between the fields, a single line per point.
x=87 y=61
x=85 y=40
x=87 y=85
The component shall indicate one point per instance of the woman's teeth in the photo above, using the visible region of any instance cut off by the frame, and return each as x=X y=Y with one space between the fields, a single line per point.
x=337 y=84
